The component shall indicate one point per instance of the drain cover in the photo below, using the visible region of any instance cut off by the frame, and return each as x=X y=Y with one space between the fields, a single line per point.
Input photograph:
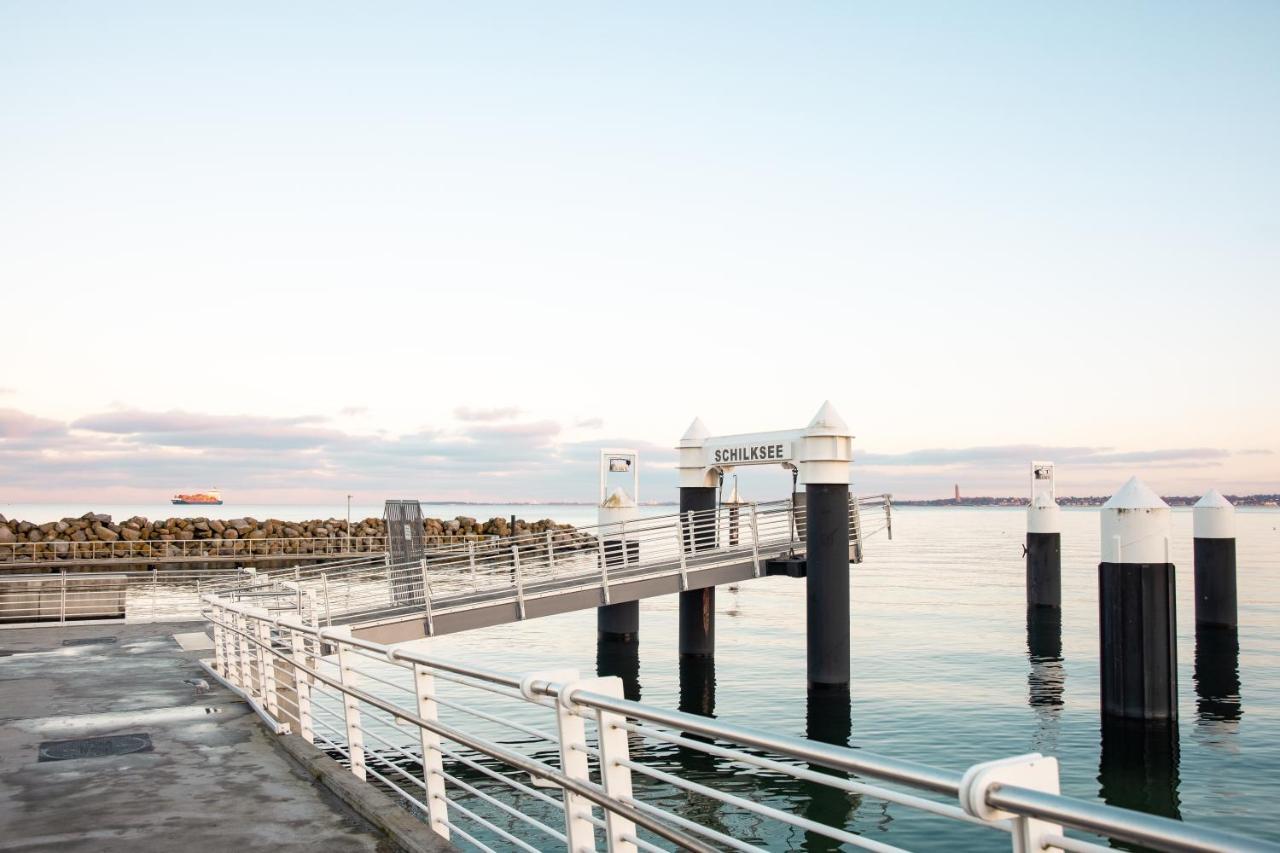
x=89 y=641
x=94 y=747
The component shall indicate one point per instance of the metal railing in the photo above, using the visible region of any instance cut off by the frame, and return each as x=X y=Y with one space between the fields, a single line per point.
x=563 y=764
x=521 y=568
x=148 y=550
x=144 y=596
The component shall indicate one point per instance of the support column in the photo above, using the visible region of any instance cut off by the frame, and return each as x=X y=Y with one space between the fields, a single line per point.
x=1044 y=553
x=1136 y=602
x=1214 y=525
x=618 y=623
x=825 y=473
x=698 y=606
x=827 y=584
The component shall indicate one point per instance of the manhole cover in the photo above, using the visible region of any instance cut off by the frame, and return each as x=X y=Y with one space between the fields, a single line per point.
x=94 y=747
x=89 y=641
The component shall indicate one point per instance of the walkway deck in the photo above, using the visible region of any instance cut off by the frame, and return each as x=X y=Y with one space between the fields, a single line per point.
x=213 y=779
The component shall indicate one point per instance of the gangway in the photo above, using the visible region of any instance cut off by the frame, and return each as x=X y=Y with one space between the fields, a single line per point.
x=481 y=584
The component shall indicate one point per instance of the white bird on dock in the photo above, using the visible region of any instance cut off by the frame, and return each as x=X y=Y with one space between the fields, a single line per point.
x=199 y=684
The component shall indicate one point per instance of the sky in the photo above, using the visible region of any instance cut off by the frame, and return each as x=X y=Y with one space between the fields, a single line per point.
x=294 y=250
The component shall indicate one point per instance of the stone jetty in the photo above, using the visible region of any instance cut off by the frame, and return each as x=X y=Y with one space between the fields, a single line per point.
x=68 y=536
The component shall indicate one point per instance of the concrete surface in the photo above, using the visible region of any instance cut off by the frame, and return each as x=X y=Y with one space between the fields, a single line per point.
x=214 y=780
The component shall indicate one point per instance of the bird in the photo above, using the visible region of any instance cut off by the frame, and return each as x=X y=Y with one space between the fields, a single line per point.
x=199 y=684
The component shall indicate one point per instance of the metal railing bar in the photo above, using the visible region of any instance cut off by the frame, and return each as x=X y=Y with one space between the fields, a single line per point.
x=476 y=792
x=587 y=790
x=901 y=798
x=763 y=810
x=519 y=786
x=471 y=839
x=492 y=827
x=1120 y=824
x=812 y=752
x=1074 y=845
x=684 y=823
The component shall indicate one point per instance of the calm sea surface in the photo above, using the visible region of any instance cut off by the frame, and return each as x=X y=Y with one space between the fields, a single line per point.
x=946 y=670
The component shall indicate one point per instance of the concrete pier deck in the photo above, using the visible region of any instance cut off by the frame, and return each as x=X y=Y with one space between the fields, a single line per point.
x=213 y=780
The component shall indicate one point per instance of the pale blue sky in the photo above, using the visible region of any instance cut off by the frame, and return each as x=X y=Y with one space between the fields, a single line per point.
x=977 y=228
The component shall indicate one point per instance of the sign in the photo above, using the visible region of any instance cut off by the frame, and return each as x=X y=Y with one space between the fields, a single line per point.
x=751 y=454
x=408 y=532
x=619 y=465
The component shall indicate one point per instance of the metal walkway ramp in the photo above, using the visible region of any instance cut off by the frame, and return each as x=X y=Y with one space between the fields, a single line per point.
x=481 y=584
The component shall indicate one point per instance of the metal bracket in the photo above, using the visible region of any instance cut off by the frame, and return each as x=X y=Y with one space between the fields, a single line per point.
x=1032 y=771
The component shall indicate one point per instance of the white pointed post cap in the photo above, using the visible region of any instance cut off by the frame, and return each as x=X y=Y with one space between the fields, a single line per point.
x=1213 y=517
x=827 y=422
x=1044 y=515
x=617 y=508
x=618 y=498
x=826 y=448
x=1135 y=525
x=734 y=499
x=695 y=435
x=1135 y=494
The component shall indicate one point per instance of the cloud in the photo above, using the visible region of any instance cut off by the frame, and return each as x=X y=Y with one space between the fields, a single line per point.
x=1023 y=453
x=1257 y=452
x=589 y=423
x=352 y=411
x=20 y=425
x=466 y=413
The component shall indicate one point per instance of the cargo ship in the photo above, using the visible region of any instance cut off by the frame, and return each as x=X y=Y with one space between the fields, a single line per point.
x=210 y=498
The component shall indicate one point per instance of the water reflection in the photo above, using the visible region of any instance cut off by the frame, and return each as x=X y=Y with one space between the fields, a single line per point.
x=1217 y=679
x=1047 y=679
x=1138 y=768
x=615 y=657
x=698 y=685
x=829 y=719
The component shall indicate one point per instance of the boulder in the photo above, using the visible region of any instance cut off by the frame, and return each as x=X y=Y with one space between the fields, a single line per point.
x=130 y=533
x=6 y=535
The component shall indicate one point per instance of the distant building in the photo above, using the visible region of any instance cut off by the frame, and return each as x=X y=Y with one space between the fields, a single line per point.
x=957 y=493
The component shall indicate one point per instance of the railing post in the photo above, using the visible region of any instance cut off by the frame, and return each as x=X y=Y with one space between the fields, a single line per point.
x=302 y=683
x=1032 y=771
x=614 y=755
x=246 y=667
x=471 y=558
x=219 y=637
x=350 y=704
x=680 y=546
x=267 y=669
x=551 y=551
x=572 y=731
x=62 y=606
x=432 y=760
x=755 y=540
x=855 y=535
x=328 y=614
x=515 y=561
x=426 y=598
x=888 y=515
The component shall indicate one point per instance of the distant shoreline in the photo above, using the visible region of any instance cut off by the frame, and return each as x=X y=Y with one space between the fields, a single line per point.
x=1271 y=501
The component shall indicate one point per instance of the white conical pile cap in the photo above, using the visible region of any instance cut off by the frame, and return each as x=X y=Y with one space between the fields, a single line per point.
x=1213 y=499
x=695 y=435
x=1044 y=516
x=827 y=422
x=1213 y=517
x=1135 y=494
x=618 y=498
x=1135 y=526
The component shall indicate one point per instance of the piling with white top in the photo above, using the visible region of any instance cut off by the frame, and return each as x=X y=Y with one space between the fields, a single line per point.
x=697 y=496
x=1214 y=527
x=1136 y=603
x=1044 y=553
x=618 y=623
x=824 y=463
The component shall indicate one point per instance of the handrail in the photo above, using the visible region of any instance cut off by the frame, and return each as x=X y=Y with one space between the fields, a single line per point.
x=1012 y=795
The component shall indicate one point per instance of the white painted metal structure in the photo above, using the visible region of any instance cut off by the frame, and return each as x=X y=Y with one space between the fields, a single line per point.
x=1213 y=517
x=558 y=769
x=1135 y=526
x=1043 y=515
x=618 y=505
x=821 y=451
